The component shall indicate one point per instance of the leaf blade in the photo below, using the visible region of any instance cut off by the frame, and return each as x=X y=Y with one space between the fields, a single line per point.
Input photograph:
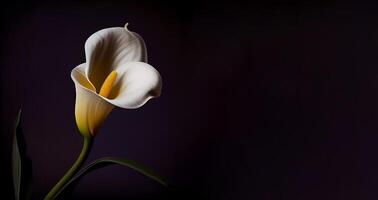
x=21 y=164
x=16 y=159
x=106 y=161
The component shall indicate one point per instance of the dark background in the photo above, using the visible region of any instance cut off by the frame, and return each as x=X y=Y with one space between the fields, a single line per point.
x=260 y=100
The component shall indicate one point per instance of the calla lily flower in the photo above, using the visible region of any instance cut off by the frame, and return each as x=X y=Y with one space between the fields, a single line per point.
x=115 y=74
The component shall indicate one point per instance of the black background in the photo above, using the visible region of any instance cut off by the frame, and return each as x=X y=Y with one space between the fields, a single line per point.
x=260 y=100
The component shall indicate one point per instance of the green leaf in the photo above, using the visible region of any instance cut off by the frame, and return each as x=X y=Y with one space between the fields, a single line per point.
x=21 y=164
x=106 y=161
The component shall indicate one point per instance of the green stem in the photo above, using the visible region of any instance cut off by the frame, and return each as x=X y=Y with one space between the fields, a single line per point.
x=72 y=171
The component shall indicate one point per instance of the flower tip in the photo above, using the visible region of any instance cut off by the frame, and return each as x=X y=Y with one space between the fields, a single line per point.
x=126 y=26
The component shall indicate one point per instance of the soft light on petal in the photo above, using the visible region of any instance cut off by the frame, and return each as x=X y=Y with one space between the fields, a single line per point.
x=90 y=109
x=78 y=76
x=137 y=82
x=108 y=49
x=112 y=76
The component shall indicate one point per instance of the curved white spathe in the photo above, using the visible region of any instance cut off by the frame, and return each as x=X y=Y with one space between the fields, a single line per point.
x=108 y=49
x=136 y=83
x=113 y=49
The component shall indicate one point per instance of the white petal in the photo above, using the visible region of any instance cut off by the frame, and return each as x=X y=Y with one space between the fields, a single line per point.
x=137 y=82
x=90 y=109
x=109 y=48
x=79 y=77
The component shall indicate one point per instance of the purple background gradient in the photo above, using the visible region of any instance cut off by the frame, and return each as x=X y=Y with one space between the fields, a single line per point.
x=259 y=101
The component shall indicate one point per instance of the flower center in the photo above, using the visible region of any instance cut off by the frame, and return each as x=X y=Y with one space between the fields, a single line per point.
x=107 y=86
